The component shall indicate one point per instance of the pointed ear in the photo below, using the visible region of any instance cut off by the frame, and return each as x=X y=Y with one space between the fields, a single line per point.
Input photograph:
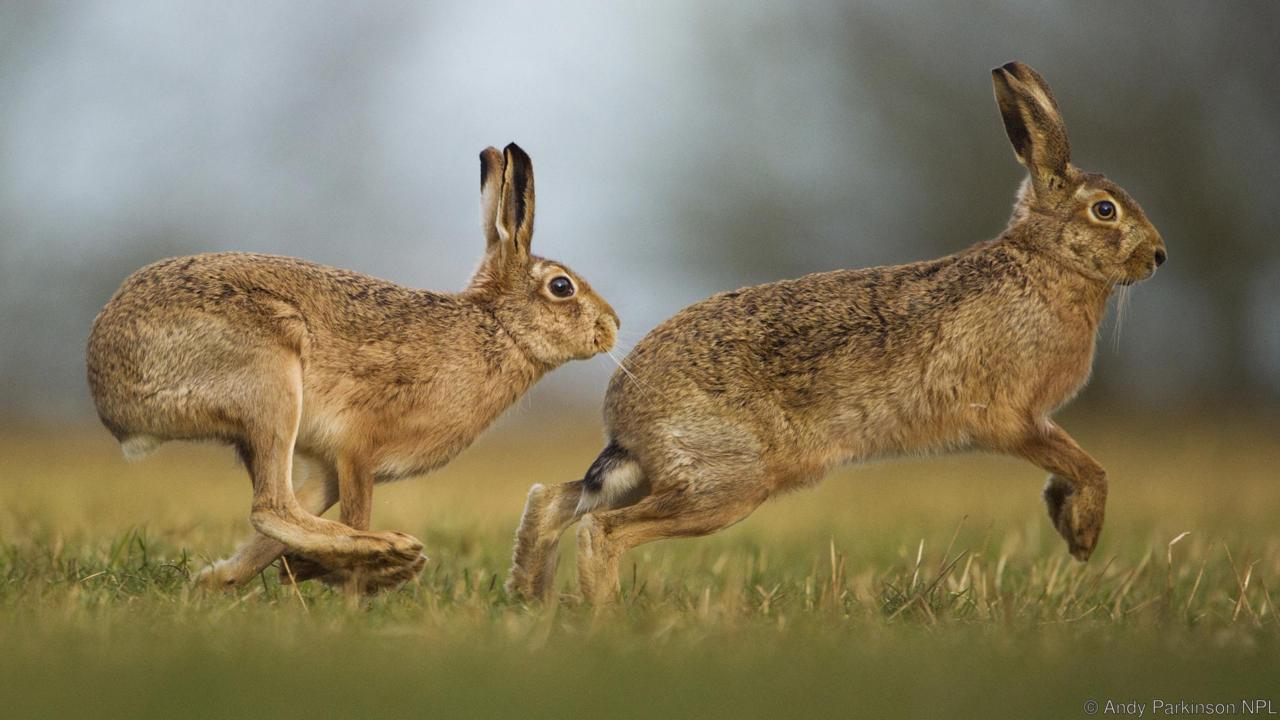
x=490 y=187
x=516 y=202
x=1034 y=124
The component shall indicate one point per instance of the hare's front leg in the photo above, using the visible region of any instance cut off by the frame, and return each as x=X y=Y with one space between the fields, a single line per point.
x=355 y=489
x=267 y=447
x=1076 y=493
x=317 y=491
x=547 y=512
x=354 y=486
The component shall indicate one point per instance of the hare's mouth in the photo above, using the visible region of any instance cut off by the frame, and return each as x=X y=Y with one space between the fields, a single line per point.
x=1141 y=276
x=1141 y=265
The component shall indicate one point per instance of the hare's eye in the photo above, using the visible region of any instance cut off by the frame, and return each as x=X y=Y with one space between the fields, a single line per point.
x=561 y=286
x=1104 y=209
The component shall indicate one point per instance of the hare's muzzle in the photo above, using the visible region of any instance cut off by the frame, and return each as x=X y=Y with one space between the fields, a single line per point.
x=1159 y=252
x=607 y=327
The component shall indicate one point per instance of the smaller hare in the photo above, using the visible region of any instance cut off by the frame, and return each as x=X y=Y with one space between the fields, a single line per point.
x=367 y=380
x=755 y=392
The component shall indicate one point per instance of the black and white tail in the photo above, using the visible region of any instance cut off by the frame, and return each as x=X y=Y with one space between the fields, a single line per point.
x=611 y=480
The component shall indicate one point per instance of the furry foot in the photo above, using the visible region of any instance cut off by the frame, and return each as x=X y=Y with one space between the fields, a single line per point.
x=366 y=578
x=389 y=545
x=520 y=581
x=521 y=587
x=535 y=586
x=597 y=573
x=330 y=543
x=302 y=569
x=1077 y=514
x=533 y=565
x=219 y=576
x=365 y=549
x=371 y=580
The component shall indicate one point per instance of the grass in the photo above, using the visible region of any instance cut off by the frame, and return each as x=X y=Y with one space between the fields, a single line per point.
x=920 y=588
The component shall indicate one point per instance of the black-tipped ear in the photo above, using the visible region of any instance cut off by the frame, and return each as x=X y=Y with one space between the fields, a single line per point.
x=1032 y=80
x=490 y=188
x=516 y=205
x=1033 y=123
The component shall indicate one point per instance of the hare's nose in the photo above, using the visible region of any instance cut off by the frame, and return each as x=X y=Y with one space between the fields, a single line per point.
x=1161 y=256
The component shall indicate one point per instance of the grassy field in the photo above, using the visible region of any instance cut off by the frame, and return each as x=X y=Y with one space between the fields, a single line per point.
x=929 y=588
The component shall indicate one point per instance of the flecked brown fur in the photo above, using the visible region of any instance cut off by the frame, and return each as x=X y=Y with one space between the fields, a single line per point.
x=763 y=390
x=364 y=379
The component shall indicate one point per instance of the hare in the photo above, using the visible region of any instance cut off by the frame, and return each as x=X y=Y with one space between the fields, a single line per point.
x=759 y=391
x=366 y=380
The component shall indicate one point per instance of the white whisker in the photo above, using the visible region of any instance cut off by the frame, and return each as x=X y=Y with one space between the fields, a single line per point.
x=1122 y=306
x=644 y=387
x=1120 y=295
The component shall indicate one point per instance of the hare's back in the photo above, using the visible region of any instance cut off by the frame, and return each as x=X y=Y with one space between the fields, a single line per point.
x=779 y=336
x=797 y=346
x=223 y=284
x=176 y=321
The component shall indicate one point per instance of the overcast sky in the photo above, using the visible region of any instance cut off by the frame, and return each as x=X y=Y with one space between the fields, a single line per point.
x=680 y=149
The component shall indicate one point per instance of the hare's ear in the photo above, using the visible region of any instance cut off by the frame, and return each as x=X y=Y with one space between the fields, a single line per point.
x=515 y=203
x=1034 y=124
x=490 y=188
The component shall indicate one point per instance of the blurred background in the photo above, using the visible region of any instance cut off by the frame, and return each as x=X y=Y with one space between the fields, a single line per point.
x=681 y=149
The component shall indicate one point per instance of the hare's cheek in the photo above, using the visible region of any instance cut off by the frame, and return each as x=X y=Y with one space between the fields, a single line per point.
x=1118 y=242
x=1132 y=245
x=1136 y=239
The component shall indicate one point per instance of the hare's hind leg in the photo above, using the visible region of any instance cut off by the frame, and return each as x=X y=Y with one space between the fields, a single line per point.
x=267 y=448
x=1076 y=493
x=317 y=490
x=547 y=512
x=688 y=510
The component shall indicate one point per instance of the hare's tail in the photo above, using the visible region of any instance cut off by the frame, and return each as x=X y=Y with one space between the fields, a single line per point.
x=136 y=447
x=611 y=480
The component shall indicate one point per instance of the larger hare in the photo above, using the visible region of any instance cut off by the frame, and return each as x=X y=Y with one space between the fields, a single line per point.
x=759 y=391
x=370 y=380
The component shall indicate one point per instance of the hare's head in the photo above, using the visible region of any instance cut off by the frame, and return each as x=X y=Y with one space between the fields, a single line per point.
x=549 y=310
x=1083 y=218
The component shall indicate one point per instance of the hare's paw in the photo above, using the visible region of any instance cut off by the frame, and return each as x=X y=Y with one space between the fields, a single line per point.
x=376 y=577
x=1056 y=492
x=355 y=549
x=521 y=585
x=597 y=563
x=1077 y=514
x=391 y=577
x=300 y=569
x=384 y=547
x=530 y=586
x=406 y=547
x=526 y=554
x=215 y=577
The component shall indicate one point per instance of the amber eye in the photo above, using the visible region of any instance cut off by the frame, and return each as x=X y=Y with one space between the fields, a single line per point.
x=561 y=286
x=1104 y=210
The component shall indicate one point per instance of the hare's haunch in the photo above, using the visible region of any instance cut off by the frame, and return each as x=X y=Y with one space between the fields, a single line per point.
x=358 y=379
x=754 y=392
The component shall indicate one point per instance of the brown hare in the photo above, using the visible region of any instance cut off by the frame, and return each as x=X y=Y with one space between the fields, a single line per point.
x=366 y=380
x=762 y=390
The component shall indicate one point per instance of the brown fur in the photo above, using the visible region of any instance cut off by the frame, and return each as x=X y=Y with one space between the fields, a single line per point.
x=763 y=390
x=369 y=380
